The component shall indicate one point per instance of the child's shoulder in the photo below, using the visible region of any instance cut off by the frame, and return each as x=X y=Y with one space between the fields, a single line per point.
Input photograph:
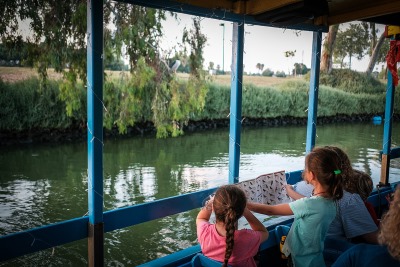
x=247 y=233
x=204 y=224
x=314 y=201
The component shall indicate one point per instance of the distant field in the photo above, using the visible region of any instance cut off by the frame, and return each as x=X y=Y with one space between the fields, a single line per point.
x=256 y=80
x=13 y=74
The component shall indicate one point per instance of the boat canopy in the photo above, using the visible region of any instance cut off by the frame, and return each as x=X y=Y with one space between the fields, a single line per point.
x=292 y=14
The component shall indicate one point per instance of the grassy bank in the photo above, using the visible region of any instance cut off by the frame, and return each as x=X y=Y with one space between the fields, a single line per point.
x=26 y=108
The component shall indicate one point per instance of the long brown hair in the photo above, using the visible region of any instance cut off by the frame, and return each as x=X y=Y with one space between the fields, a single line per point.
x=326 y=165
x=360 y=183
x=354 y=181
x=345 y=164
x=229 y=204
x=390 y=228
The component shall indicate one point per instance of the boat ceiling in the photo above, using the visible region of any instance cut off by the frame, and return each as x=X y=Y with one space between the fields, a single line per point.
x=291 y=14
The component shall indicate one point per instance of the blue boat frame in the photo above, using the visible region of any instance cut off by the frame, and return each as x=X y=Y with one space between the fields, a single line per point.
x=98 y=222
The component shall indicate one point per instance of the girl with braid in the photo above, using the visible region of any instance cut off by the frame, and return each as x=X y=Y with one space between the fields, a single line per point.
x=304 y=244
x=222 y=241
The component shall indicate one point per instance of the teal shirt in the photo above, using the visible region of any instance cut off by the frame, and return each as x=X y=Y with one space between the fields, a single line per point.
x=305 y=240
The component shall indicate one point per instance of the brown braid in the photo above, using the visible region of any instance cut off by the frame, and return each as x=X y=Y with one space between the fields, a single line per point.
x=229 y=204
x=230 y=234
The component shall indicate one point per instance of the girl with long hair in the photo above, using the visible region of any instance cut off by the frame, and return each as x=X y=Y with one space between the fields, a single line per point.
x=222 y=241
x=304 y=243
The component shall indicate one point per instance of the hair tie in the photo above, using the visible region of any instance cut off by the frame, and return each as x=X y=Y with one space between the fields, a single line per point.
x=337 y=172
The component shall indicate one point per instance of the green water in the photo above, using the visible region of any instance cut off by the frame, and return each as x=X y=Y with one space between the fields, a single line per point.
x=42 y=184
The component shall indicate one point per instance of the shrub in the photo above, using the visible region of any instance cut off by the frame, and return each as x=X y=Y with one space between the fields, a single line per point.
x=280 y=74
x=217 y=102
x=26 y=107
x=268 y=73
x=351 y=81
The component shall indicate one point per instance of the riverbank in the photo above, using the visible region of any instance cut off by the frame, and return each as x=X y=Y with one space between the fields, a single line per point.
x=78 y=133
x=30 y=114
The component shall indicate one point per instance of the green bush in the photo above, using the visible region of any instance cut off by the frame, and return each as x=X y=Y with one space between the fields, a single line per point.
x=289 y=99
x=24 y=106
x=280 y=74
x=351 y=81
x=333 y=101
x=217 y=103
x=264 y=102
x=268 y=73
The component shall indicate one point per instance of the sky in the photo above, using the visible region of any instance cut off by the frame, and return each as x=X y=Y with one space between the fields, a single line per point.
x=265 y=45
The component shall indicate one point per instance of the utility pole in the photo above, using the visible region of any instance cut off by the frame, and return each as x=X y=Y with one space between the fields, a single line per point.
x=223 y=45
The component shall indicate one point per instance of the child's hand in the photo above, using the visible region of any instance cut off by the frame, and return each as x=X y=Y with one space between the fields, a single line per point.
x=289 y=187
x=209 y=203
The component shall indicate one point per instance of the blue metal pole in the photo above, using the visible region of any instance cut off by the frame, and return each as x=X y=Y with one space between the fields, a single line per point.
x=387 y=130
x=313 y=93
x=95 y=131
x=236 y=101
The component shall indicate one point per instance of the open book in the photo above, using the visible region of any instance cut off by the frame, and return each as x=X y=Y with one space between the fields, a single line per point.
x=267 y=188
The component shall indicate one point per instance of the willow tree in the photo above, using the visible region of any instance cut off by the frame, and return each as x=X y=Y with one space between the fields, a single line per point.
x=184 y=99
x=57 y=39
x=56 y=33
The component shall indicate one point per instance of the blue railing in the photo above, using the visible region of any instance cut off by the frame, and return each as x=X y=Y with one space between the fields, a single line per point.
x=36 y=239
x=44 y=237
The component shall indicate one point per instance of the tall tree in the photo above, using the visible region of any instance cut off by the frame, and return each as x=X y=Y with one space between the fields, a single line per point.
x=260 y=67
x=373 y=36
x=211 y=65
x=300 y=68
x=378 y=47
x=351 y=43
x=196 y=41
x=327 y=53
x=290 y=54
x=377 y=54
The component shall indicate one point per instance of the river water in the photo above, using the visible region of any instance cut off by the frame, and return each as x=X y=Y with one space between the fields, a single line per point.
x=47 y=183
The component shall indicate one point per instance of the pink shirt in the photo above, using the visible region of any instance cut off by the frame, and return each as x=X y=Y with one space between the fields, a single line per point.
x=213 y=245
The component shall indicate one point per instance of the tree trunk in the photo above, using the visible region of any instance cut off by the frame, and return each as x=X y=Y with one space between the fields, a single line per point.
x=326 y=58
x=373 y=39
x=375 y=54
